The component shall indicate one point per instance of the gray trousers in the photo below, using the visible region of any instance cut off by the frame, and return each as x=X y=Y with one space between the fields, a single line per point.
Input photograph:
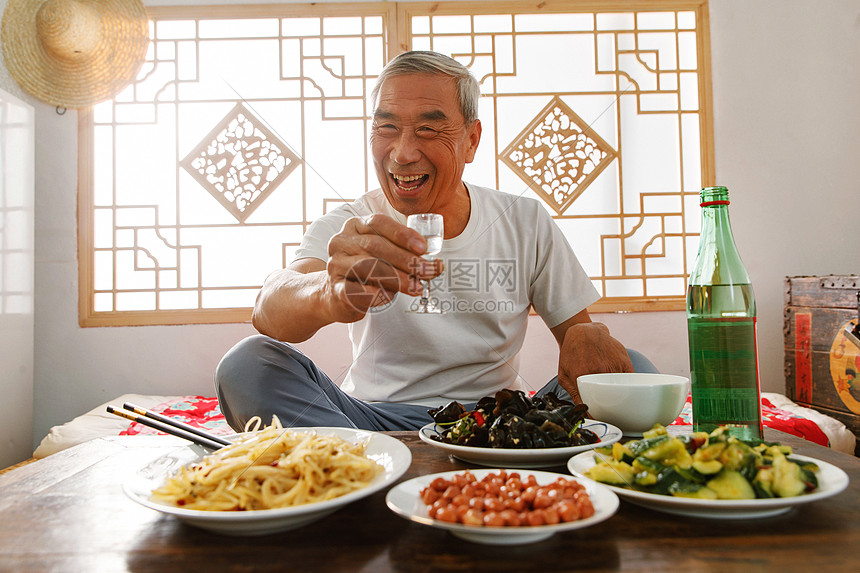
x=261 y=376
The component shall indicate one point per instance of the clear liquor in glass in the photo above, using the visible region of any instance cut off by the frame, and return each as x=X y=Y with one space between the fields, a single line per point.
x=432 y=228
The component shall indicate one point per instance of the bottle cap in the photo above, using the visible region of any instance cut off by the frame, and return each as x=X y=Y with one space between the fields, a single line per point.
x=714 y=196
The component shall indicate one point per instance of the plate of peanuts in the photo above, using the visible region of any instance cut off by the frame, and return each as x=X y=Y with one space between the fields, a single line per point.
x=502 y=506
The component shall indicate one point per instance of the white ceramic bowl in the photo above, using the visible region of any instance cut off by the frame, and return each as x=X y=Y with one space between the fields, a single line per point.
x=634 y=402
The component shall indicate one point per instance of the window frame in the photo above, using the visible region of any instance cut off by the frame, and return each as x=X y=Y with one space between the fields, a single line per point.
x=397 y=30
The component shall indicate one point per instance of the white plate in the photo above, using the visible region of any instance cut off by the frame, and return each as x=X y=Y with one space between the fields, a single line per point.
x=390 y=453
x=404 y=499
x=831 y=480
x=522 y=458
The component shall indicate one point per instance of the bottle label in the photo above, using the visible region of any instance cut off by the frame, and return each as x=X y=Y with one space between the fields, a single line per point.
x=724 y=373
x=728 y=405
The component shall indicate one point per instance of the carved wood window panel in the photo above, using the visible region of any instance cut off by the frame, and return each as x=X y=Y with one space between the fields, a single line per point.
x=247 y=122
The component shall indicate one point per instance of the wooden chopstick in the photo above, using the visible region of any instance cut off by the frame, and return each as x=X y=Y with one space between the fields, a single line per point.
x=174 y=423
x=166 y=428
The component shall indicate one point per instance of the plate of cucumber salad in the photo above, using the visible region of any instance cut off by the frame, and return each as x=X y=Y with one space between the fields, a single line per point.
x=709 y=475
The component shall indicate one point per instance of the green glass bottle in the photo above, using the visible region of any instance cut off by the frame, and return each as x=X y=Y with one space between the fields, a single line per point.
x=721 y=325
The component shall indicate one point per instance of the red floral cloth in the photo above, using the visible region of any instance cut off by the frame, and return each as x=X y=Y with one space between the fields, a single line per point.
x=203 y=412
x=772 y=417
x=196 y=411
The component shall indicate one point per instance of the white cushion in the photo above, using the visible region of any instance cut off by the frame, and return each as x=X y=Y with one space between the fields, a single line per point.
x=94 y=424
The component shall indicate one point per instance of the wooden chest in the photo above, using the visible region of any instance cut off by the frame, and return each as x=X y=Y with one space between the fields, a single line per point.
x=822 y=364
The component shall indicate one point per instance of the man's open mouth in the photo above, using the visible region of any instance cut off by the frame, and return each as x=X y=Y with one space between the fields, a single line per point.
x=409 y=182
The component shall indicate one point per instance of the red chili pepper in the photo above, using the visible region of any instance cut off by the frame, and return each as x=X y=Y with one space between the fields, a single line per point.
x=479 y=418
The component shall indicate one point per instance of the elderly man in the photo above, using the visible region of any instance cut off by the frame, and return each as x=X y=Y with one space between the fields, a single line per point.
x=361 y=265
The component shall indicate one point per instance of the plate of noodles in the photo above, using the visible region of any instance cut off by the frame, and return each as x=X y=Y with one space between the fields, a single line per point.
x=263 y=483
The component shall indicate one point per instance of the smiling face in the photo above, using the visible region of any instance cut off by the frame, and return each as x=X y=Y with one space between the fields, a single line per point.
x=421 y=144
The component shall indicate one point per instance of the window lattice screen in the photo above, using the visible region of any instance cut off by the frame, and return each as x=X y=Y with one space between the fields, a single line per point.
x=247 y=123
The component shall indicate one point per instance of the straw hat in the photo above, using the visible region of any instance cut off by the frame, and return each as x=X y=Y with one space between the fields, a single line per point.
x=74 y=53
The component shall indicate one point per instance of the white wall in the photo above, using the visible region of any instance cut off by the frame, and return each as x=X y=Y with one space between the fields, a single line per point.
x=787 y=132
x=785 y=85
x=16 y=278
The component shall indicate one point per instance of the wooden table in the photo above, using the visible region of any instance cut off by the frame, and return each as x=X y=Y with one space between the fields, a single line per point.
x=68 y=513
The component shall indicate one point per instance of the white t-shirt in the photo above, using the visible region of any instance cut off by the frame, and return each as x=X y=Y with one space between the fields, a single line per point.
x=510 y=256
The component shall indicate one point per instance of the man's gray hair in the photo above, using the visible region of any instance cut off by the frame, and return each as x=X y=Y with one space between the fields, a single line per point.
x=419 y=62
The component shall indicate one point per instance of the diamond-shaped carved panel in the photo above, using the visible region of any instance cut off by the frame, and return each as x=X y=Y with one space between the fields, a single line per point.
x=240 y=162
x=558 y=155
